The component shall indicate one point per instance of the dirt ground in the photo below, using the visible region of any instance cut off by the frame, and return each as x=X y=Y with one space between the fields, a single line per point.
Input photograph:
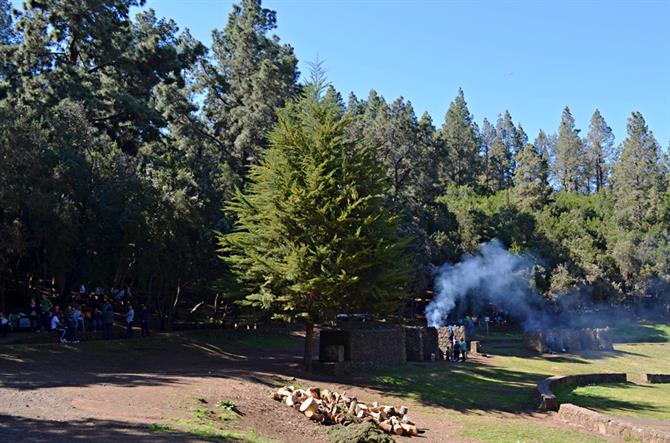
x=114 y=391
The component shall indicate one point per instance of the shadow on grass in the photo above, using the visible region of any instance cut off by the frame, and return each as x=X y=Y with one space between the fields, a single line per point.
x=21 y=429
x=603 y=403
x=462 y=387
x=637 y=332
x=517 y=349
x=159 y=360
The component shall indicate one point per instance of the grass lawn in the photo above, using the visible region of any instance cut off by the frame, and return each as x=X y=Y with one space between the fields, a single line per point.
x=483 y=397
x=622 y=399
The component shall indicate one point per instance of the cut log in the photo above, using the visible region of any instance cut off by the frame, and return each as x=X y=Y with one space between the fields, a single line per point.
x=308 y=405
x=386 y=426
x=316 y=417
x=403 y=410
x=315 y=393
x=352 y=406
x=410 y=430
x=397 y=429
x=406 y=420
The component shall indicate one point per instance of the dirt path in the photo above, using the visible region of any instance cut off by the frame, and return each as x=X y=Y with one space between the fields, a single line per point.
x=116 y=391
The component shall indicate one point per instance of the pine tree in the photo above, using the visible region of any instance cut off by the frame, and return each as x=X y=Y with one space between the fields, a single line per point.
x=599 y=145
x=91 y=52
x=638 y=175
x=313 y=236
x=460 y=140
x=569 y=163
x=7 y=34
x=488 y=137
x=252 y=75
x=502 y=153
x=531 y=179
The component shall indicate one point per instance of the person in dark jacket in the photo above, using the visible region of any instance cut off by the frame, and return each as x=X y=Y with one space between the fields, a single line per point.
x=144 y=321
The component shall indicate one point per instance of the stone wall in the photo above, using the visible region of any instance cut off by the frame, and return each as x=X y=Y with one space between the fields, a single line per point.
x=363 y=346
x=421 y=343
x=414 y=343
x=656 y=378
x=568 y=340
x=610 y=426
x=549 y=402
x=378 y=347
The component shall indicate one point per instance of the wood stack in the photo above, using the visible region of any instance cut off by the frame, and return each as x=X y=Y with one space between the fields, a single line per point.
x=329 y=407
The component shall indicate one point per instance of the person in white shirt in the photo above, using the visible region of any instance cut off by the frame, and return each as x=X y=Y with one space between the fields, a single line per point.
x=57 y=327
x=130 y=317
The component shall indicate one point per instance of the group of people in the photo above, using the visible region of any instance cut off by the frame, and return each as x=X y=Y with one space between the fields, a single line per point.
x=457 y=347
x=89 y=311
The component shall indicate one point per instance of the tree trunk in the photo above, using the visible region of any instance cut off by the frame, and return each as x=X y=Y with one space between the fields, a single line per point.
x=309 y=338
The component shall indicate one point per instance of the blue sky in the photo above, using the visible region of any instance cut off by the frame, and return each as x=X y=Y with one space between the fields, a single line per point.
x=531 y=57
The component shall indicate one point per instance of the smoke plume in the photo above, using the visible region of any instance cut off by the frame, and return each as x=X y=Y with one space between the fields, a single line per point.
x=492 y=274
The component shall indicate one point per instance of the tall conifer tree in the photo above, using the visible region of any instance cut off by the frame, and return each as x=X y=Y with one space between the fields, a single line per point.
x=570 y=162
x=638 y=175
x=459 y=137
x=313 y=236
x=599 y=146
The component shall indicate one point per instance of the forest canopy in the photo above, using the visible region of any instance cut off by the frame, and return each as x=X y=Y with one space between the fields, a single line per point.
x=124 y=141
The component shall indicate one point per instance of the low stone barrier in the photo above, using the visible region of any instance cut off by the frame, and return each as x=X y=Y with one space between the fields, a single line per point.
x=656 y=378
x=549 y=402
x=610 y=426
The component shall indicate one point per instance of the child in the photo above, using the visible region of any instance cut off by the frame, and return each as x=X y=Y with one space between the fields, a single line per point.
x=463 y=348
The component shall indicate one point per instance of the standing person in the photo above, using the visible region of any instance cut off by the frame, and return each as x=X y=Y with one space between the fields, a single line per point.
x=34 y=313
x=130 y=317
x=144 y=320
x=45 y=305
x=82 y=292
x=455 y=346
x=107 y=322
x=78 y=318
x=464 y=349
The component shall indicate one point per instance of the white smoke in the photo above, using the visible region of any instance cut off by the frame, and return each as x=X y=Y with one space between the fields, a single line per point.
x=492 y=274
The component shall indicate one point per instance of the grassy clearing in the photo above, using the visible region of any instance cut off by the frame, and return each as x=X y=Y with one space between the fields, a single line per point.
x=635 y=332
x=475 y=396
x=509 y=430
x=209 y=423
x=621 y=399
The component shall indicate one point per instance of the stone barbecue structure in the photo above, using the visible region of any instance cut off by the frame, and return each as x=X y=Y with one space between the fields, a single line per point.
x=568 y=340
x=363 y=346
x=341 y=349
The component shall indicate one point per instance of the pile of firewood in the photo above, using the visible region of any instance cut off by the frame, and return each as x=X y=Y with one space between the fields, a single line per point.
x=329 y=407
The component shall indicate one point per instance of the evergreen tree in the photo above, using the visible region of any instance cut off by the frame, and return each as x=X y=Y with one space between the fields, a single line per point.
x=252 y=75
x=488 y=137
x=7 y=34
x=638 y=176
x=313 y=236
x=459 y=139
x=599 y=145
x=531 y=179
x=92 y=52
x=502 y=153
x=569 y=163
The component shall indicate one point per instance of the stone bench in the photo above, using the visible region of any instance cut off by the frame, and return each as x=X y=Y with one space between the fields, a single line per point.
x=549 y=402
x=610 y=426
x=656 y=378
